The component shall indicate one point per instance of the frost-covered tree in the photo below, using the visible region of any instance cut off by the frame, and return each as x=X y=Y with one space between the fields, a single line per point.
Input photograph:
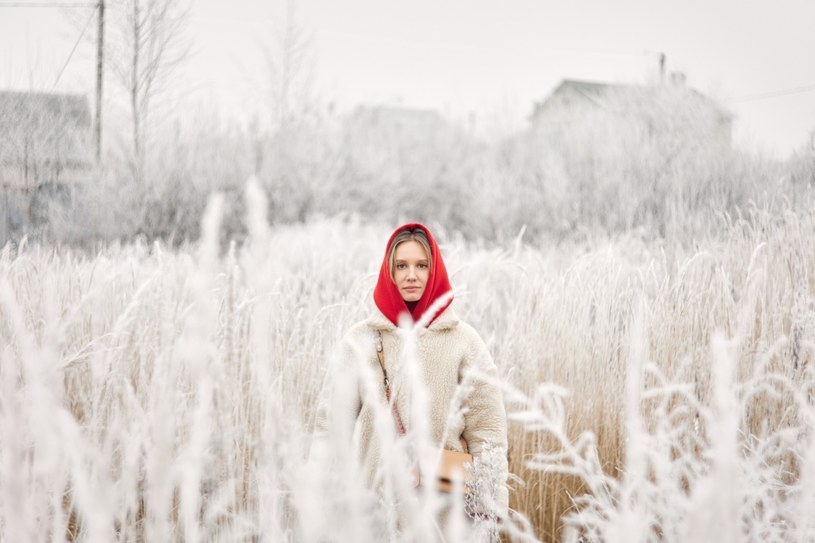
x=147 y=44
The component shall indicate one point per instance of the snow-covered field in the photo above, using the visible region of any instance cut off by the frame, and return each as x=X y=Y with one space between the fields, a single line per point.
x=657 y=392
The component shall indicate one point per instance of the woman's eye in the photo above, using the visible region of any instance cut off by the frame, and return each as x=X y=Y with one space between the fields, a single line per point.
x=401 y=266
x=423 y=266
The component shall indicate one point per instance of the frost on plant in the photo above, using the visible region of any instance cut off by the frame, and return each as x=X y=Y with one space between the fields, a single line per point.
x=481 y=491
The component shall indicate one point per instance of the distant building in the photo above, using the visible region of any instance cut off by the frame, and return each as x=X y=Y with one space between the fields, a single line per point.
x=44 y=138
x=669 y=110
x=397 y=121
x=45 y=152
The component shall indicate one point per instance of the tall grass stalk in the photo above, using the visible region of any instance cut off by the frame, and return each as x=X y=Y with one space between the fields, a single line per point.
x=154 y=395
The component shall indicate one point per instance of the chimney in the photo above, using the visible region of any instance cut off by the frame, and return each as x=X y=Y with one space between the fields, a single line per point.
x=662 y=67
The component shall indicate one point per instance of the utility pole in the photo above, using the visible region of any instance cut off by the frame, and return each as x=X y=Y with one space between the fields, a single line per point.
x=100 y=56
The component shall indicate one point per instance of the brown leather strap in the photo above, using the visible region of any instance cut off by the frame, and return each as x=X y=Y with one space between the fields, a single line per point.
x=380 y=354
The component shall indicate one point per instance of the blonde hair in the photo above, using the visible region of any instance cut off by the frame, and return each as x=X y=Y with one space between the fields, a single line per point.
x=418 y=235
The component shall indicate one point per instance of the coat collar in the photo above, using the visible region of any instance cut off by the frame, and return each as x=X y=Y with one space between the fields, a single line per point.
x=446 y=319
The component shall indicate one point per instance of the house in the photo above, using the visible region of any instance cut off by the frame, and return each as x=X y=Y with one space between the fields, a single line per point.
x=44 y=138
x=396 y=121
x=670 y=110
x=45 y=153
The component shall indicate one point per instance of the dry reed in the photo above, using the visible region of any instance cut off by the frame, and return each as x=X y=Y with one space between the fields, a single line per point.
x=154 y=395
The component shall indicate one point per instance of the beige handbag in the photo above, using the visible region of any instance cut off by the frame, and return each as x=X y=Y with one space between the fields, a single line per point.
x=452 y=464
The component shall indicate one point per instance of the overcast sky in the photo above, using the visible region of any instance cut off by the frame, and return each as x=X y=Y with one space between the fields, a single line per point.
x=493 y=58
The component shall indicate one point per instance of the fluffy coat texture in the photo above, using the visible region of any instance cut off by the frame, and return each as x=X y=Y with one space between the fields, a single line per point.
x=456 y=369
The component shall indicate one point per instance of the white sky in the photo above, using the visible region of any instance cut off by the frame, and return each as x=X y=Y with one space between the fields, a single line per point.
x=494 y=58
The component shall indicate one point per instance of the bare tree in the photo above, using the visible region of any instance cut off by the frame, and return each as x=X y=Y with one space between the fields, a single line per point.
x=287 y=156
x=148 y=44
x=291 y=69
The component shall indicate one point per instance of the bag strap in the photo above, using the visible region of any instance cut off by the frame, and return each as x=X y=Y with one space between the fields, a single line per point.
x=380 y=354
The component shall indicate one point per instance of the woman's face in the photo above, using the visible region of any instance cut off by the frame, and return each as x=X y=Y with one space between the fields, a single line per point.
x=410 y=270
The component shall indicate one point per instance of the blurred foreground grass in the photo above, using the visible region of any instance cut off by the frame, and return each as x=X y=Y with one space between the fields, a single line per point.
x=102 y=358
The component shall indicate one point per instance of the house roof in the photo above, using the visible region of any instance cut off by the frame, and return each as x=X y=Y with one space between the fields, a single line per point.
x=44 y=127
x=590 y=89
x=597 y=92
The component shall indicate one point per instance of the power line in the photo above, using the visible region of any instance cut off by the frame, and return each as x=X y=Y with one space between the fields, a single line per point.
x=71 y=54
x=773 y=94
x=47 y=4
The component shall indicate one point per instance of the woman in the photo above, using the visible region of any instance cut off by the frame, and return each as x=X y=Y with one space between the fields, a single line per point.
x=454 y=366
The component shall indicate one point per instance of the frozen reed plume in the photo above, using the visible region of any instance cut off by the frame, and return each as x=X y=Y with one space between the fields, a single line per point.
x=656 y=393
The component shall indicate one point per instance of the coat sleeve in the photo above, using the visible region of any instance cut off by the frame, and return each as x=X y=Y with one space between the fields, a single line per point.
x=485 y=425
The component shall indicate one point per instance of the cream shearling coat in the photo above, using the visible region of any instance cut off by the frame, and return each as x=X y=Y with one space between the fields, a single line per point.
x=460 y=403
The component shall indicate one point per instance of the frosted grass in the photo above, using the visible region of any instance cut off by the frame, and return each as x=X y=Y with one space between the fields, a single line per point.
x=656 y=394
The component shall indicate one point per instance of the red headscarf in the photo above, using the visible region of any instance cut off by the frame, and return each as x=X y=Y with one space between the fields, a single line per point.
x=386 y=294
